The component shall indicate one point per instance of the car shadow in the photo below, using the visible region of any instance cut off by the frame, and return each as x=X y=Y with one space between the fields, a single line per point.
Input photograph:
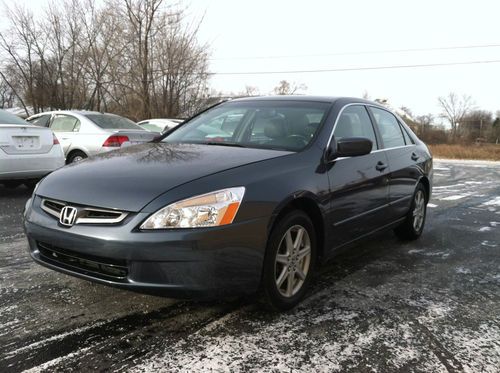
x=18 y=192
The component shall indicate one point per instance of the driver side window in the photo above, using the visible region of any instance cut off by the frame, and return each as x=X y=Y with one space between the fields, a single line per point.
x=354 y=121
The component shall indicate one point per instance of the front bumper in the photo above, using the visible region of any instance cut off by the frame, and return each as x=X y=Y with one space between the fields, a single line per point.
x=184 y=263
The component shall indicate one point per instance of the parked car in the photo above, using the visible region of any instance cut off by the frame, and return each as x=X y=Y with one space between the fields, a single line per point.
x=193 y=215
x=159 y=125
x=86 y=133
x=27 y=152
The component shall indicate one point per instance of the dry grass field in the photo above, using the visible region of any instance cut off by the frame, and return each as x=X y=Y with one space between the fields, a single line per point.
x=485 y=151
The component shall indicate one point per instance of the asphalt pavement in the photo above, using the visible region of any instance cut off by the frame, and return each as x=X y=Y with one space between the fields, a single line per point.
x=430 y=305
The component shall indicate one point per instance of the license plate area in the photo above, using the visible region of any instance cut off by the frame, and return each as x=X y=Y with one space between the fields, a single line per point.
x=26 y=142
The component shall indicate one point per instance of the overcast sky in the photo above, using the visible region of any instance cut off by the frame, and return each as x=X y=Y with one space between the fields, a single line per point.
x=278 y=35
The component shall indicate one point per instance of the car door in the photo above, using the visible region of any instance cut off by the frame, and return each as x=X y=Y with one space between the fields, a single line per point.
x=66 y=128
x=358 y=185
x=403 y=159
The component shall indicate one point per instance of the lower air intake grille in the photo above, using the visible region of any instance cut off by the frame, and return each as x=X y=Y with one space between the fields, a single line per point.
x=108 y=269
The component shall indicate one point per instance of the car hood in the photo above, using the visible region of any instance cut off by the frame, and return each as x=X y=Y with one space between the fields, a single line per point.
x=129 y=178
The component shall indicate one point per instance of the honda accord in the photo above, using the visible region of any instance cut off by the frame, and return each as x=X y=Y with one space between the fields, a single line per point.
x=209 y=210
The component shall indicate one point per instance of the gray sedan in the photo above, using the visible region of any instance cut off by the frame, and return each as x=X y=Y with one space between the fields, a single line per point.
x=86 y=133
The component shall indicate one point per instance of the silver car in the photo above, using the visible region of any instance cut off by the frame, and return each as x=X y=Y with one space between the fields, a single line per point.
x=27 y=152
x=85 y=133
x=159 y=125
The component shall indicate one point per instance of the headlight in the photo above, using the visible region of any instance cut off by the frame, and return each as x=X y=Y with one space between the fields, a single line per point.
x=207 y=210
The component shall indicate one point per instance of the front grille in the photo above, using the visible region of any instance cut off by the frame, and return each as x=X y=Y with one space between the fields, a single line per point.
x=85 y=215
x=105 y=268
x=54 y=206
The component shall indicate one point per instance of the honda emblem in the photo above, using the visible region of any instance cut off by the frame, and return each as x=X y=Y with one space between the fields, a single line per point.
x=68 y=216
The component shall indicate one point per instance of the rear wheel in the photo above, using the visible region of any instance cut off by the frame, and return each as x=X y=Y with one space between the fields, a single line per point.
x=413 y=226
x=289 y=262
x=76 y=156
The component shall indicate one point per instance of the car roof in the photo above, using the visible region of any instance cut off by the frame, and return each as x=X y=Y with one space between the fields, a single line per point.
x=79 y=112
x=157 y=120
x=306 y=98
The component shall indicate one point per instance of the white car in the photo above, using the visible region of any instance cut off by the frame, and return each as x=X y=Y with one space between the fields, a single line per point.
x=86 y=133
x=27 y=152
x=159 y=125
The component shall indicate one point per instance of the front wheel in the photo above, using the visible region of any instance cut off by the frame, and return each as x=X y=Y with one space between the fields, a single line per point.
x=289 y=262
x=413 y=226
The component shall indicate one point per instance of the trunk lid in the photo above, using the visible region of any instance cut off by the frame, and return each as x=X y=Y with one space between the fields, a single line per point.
x=134 y=136
x=25 y=139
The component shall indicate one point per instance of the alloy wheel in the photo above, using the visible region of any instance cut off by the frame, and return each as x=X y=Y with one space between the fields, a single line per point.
x=293 y=260
x=419 y=210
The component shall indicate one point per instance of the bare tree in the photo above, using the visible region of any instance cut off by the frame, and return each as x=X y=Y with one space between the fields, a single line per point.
x=286 y=88
x=454 y=108
x=6 y=93
x=424 y=123
x=136 y=58
x=250 y=91
x=141 y=15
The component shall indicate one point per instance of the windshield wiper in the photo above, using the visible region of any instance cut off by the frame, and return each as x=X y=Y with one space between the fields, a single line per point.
x=223 y=144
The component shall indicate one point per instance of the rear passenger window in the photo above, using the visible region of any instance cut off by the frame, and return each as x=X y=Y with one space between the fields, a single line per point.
x=65 y=123
x=408 y=139
x=355 y=122
x=389 y=128
x=42 y=121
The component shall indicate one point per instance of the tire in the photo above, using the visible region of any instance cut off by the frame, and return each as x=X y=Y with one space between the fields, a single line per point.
x=413 y=226
x=76 y=156
x=293 y=271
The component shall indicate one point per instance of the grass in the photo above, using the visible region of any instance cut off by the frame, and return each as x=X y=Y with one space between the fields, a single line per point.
x=486 y=151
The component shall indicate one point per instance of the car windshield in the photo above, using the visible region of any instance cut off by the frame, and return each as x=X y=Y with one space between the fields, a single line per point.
x=285 y=125
x=113 y=122
x=8 y=118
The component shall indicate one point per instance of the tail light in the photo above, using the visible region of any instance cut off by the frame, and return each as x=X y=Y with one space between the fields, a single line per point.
x=115 y=141
x=55 y=141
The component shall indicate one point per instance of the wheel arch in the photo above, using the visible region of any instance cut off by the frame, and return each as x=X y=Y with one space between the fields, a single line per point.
x=427 y=185
x=308 y=203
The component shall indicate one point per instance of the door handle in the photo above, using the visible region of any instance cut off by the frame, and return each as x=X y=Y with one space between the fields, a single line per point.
x=381 y=166
x=414 y=156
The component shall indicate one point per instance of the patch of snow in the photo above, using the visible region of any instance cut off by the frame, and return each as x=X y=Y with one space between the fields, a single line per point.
x=455 y=197
x=488 y=244
x=415 y=251
x=493 y=202
x=462 y=270
x=57 y=337
x=432 y=205
x=441 y=168
x=56 y=361
x=484 y=229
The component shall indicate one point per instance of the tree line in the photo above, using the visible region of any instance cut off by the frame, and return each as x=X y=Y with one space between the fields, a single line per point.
x=466 y=123
x=138 y=58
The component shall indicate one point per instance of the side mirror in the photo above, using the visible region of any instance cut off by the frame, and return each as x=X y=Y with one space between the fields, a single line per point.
x=349 y=147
